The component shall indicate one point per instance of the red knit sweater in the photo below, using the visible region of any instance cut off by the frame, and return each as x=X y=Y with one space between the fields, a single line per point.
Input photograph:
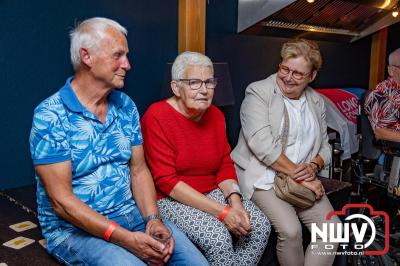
x=179 y=149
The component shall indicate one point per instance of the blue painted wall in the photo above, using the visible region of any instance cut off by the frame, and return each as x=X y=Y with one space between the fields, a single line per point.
x=34 y=57
x=34 y=61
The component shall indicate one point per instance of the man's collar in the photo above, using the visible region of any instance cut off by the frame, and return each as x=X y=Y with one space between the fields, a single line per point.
x=391 y=80
x=115 y=98
x=69 y=98
x=71 y=101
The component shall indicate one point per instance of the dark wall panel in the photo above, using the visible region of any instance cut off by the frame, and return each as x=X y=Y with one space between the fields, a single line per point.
x=393 y=38
x=35 y=62
x=253 y=58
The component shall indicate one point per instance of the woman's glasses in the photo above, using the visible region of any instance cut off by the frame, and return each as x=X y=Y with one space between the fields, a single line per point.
x=196 y=84
x=284 y=70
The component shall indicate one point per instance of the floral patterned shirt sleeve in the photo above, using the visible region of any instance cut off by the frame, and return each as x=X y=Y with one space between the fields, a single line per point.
x=383 y=105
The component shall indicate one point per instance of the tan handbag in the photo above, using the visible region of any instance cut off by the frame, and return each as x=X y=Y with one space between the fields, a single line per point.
x=288 y=189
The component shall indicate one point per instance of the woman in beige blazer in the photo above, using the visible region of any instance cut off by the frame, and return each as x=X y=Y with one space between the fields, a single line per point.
x=258 y=154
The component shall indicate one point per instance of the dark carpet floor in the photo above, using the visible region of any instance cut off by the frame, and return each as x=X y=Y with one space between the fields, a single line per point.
x=12 y=212
x=19 y=205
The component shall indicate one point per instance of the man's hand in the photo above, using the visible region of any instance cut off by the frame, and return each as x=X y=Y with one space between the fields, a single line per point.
x=145 y=247
x=316 y=187
x=156 y=225
x=237 y=220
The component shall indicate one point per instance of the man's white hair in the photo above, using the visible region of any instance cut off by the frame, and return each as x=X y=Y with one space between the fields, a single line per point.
x=88 y=34
x=394 y=57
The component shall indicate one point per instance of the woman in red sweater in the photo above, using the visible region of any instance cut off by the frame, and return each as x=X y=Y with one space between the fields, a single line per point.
x=189 y=156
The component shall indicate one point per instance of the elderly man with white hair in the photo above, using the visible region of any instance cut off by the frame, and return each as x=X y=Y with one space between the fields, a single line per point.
x=95 y=194
x=383 y=104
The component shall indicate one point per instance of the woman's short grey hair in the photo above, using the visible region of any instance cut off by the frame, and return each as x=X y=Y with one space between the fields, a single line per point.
x=305 y=48
x=88 y=34
x=186 y=59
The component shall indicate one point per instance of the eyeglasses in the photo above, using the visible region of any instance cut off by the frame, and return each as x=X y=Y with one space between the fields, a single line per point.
x=284 y=70
x=398 y=67
x=196 y=84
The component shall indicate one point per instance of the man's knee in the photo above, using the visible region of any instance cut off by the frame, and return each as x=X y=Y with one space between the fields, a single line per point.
x=83 y=249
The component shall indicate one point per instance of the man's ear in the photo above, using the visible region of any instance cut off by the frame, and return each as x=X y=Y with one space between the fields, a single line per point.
x=175 y=88
x=85 y=56
x=390 y=70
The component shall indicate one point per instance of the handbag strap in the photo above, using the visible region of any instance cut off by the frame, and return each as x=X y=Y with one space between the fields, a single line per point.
x=285 y=128
x=285 y=132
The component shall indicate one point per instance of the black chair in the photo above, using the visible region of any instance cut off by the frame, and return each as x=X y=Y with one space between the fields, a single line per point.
x=370 y=151
x=378 y=187
x=392 y=148
x=365 y=162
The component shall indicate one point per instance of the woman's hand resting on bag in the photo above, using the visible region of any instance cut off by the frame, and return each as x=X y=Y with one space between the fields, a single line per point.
x=316 y=187
x=304 y=171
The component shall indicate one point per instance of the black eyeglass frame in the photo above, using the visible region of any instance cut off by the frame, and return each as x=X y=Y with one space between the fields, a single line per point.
x=207 y=81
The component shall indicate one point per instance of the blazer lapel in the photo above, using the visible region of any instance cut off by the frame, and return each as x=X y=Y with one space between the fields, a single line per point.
x=277 y=106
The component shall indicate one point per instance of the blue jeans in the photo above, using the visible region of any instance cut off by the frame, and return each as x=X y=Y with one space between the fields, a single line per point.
x=82 y=248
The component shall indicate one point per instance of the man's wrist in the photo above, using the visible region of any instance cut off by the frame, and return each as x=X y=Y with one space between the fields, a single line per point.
x=152 y=217
x=109 y=231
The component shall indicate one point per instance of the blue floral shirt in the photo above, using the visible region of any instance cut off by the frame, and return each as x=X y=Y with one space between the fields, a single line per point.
x=64 y=130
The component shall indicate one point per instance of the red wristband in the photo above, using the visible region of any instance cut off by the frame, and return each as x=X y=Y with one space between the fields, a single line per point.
x=110 y=230
x=224 y=213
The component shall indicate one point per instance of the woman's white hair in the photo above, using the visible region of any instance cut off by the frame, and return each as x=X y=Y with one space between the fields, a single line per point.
x=88 y=34
x=186 y=59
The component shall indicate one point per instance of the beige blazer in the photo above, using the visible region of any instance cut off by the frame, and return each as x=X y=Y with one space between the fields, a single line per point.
x=259 y=143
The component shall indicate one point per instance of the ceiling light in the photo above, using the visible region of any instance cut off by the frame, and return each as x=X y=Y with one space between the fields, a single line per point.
x=395 y=10
x=310 y=1
x=385 y=4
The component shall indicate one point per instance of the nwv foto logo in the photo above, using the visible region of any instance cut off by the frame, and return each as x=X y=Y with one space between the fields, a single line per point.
x=340 y=233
